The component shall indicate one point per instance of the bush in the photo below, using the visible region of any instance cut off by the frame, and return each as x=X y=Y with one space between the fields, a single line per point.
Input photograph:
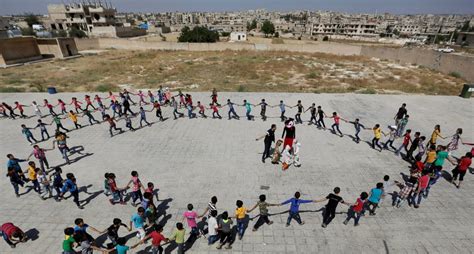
x=76 y=33
x=106 y=88
x=59 y=33
x=225 y=34
x=28 y=31
x=198 y=34
x=10 y=89
x=455 y=74
x=268 y=28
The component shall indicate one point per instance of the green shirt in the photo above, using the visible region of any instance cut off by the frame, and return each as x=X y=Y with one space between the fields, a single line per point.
x=57 y=120
x=247 y=105
x=440 y=157
x=178 y=236
x=67 y=244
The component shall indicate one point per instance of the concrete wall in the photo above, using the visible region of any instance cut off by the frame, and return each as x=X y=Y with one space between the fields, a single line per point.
x=86 y=44
x=123 y=32
x=18 y=50
x=442 y=62
x=58 y=47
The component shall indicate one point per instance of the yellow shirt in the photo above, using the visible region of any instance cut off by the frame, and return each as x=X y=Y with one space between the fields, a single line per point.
x=378 y=133
x=240 y=212
x=431 y=157
x=434 y=136
x=31 y=173
x=73 y=117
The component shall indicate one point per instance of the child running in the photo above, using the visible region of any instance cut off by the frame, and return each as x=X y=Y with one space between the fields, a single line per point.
x=263 y=209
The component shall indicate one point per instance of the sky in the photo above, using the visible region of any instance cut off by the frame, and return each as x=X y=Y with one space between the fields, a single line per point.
x=8 y=7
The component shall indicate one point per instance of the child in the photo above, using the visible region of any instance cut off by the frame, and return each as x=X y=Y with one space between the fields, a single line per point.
x=156 y=238
x=107 y=191
x=330 y=210
x=33 y=176
x=248 y=110
x=90 y=117
x=461 y=169
x=12 y=234
x=263 y=109
x=263 y=208
x=36 y=109
x=296 y=153
x=59 y=125
x=406 y=141
x=57 y=182
x=112 y=231
x=336 y=119
x=401 y=125
x=294 y=212
x=423 y=182
x=143 y=118
x=43 y=129
x=201 y=109
x=374 y=199
x=62 y=106
x=71 y=186
x=178 y=237
x=151 y=214
x=240 y=214
x=313 y=114
x=121 y=247
x=15 y=180
x=430 y=156
x=212 y=228
x=116 y=192
x=69 y=241
x=282 y=106
x=231 y=112
x=321 y=116
x=276 y=152
x=44 y=184
x=355 y=211
x=138 y=220
x=215 y=111
x=191 y=217
x=20 y=108
x=147 y=200
x=82 y=227
x=29 y=136
x=151 y=189
x=358 y=127
x=387 y=186
x=73 y=117
x=84 y=243
x=112 y=125
x=136 y=188
x=158 y=113
x=391 y=137
x=404 y=193
x=225 y=230
x=377 y=136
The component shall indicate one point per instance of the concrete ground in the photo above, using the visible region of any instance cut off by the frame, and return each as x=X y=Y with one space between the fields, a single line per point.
x=192 y=160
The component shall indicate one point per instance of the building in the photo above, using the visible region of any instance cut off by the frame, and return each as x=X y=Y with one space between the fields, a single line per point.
x=58 y=47
x=238 y=36
x=465 y=39
x=94 y=18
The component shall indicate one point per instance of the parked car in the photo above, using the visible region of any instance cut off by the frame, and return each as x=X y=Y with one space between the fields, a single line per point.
x=445 y=50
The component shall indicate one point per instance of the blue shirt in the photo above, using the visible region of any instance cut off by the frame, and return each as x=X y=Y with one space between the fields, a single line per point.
x=82 y=229
x=137 y=220
x=282 y=107
x=122 y=249
x=295 y=204
x=375 y=195
x=231 y=105
x=70 y=186
x=13 y=163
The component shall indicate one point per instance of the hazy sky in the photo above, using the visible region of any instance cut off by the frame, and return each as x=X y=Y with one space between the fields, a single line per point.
x=364 y=6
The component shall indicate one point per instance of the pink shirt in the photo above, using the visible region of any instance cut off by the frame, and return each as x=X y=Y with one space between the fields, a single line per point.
x=336 y=119
x=62 y=104
x=136 y=183
x=191 y=218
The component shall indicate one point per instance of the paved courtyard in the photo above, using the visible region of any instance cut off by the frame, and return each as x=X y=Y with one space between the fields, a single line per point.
x=192 y=160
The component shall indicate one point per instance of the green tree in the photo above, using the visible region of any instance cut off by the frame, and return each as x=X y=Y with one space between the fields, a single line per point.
x=251 y=26
x=28 y=31
x=31 y=19
x=198 y=34
x=76 y=33
x=268 y=28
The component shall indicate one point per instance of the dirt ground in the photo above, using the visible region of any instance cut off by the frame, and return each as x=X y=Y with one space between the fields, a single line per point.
x=242 y=71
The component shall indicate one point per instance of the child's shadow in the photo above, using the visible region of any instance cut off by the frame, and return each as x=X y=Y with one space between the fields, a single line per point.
x=162 y=207
x=170 y=248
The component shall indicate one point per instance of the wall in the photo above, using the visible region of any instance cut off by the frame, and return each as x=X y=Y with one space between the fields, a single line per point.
x=129 y=32
x=87 y=44
x=18 y=50
x=49 y=47
x=64 y=43
x=442 y=62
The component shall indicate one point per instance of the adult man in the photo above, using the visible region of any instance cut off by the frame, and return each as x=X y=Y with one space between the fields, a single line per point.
x=269 y=139
x=402 y=111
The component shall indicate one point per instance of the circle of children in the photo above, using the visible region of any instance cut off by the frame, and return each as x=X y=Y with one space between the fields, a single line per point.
x=427 y=167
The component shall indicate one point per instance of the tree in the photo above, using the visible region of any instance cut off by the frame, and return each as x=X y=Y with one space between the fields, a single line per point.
x=76 y=33
x=31 y=19
x=198 y=34
x=268 y=28
x=251 y=26
x=59 y=33
x=28 y=31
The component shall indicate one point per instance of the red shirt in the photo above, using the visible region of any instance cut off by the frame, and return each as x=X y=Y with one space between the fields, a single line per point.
x=358 y=205
x=88 y=100
x=336 y=119
x=113 y=185
x=8 y=229
x=406 y=139
x=420 y=166
x=214 y=108
x=464 y=164
x=423 y=182
x=156 y=238
x=156 y=105
x=20 y=107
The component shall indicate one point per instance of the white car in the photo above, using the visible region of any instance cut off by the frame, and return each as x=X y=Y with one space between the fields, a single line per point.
x=445 y=50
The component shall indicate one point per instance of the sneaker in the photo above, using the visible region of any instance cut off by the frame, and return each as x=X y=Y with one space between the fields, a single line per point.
x=416 y=206
x=356 y=224
x=287 y=224
x=270 y=223
x=111 y=201
x=228 y=247
x=220 y=245
x=345 y=222
x=323 y=225
x=302 y=223
x=17 y=195
x=80 y=207
x=254 y=229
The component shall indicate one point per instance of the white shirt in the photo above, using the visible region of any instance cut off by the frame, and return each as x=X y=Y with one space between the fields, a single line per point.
x=212 y=225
